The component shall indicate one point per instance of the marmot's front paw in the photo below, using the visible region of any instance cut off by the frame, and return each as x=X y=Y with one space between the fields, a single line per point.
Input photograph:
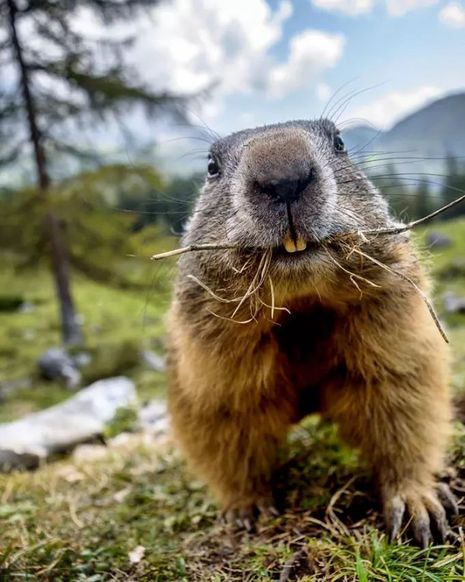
x=245 y=515
x=426 y=512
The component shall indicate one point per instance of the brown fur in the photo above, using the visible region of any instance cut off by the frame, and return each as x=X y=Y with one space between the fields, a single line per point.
x=370 y=358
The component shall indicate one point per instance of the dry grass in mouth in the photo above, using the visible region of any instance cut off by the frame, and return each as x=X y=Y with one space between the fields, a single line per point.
x=411 y=282
x=252 y=293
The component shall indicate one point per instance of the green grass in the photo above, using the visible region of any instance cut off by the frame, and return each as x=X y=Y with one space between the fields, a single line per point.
x=117 y=325
x=79 y=518
x=439 y=260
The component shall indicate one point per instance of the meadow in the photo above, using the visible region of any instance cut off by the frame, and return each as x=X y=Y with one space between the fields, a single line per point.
x=130 y=511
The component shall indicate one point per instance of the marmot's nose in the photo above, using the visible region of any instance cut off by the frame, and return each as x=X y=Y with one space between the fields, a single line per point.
x=289 y=189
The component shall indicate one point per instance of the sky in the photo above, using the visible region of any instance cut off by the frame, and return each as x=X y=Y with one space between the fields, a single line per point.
x=274 y=60
x=266 y=61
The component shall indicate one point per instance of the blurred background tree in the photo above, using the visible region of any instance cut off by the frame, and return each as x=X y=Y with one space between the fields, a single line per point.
x=412 y=196
x=56 y=79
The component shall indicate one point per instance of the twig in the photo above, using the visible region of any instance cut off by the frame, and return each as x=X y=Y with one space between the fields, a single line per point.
x=414 y=223
x=360 y=233
x=73 y=515
x=414 y=285
x=331 y=514
x=273 y=307
x=192 y=248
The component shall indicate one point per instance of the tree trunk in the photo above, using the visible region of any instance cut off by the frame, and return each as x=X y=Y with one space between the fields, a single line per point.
x=71 y=332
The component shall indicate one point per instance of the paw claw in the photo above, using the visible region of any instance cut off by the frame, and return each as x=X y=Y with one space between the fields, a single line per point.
x=448 y=500
x=394 y=512
x=245 y=517
x=268 y=511
x=422 y=530
x=426 y=511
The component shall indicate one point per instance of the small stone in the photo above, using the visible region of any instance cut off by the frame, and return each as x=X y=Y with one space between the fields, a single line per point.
x=57 y=364
x=89 y=453
x=154 y=418
x=70 y=474
x=27 y=307
x=121 y=495
x=82 y=359
x=438 y=240
x=453 y=303
x=153 y=361
x=136 y=555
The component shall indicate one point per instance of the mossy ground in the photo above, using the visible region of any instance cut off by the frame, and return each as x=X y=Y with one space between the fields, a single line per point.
x=79 y=518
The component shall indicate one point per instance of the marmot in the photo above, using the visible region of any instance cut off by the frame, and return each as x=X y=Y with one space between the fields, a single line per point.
x=293 y=319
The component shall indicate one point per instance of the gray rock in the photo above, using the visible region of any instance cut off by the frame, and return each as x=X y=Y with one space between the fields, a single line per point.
x=153 y=361
x=82 y=359
x=154 y=418
x=57 y=364
x=453 y=303
x=438 y=240
x=25 y=442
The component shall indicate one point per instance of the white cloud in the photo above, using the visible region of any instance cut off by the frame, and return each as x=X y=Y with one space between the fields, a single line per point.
x=453 y=15
x=189 y=45
x=401 y=7
x=352 y=7
x=357 y=7
x=186 y=46
x=192 y=44
x=310 y=52
x=388 y=109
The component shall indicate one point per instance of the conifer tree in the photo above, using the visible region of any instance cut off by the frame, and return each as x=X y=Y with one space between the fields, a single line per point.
x=52 y=76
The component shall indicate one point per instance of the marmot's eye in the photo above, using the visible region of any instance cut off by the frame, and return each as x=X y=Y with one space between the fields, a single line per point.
x=339 y=145
x=213 y=168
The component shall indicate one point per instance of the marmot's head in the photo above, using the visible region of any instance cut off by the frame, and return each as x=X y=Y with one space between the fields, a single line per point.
x=287 y=187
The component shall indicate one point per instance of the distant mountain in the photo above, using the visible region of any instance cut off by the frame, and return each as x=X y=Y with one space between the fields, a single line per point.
x=361 y=137
x=435 y=131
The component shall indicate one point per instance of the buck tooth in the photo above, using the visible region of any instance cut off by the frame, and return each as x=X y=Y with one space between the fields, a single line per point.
x=301 y=244
x=289 y=244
